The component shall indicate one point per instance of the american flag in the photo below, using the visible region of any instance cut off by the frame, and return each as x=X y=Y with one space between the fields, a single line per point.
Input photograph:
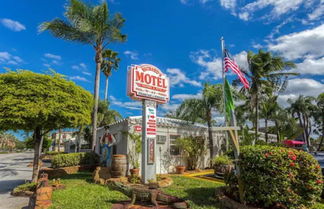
x=231 y=64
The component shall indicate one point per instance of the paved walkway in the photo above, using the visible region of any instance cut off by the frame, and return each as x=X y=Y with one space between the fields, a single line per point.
x=14 y=171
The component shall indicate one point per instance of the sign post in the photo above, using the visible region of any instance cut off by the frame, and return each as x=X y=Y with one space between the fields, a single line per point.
x=148 y=84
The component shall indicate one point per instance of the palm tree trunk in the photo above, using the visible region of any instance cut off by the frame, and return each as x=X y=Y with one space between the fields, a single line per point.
x=256 y=117
x=210 y=138
x=106 y=89
x=38 y=137
x=98 y=59
x=322 y=137
x=277 y=130
x=266 y=128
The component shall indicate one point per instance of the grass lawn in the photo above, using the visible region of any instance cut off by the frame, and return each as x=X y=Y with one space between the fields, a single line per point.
x=80 y=192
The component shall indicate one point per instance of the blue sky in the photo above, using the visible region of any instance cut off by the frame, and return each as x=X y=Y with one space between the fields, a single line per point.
x=181 y=37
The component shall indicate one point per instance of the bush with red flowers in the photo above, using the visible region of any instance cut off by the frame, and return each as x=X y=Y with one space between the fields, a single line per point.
x=278 y=176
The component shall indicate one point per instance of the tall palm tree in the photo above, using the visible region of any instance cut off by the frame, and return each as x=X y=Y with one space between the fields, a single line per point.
x=201 y=109
x=303 y=109
x=319 y=119
x=264 y=70
x=91 y=25
x=268 y=106
x=110 y=62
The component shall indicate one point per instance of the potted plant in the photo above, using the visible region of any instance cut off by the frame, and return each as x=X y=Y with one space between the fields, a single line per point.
x=180 y=169
x=133 y=154
x=193 y=147
x=222 y=165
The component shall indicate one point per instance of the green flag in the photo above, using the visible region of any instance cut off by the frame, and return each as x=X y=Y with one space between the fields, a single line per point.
x=229 y=104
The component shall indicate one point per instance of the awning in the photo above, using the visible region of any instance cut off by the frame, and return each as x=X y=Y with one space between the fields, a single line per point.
x=293 y=142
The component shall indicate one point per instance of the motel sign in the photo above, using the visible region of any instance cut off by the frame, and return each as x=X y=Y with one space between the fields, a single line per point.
x=148 y=84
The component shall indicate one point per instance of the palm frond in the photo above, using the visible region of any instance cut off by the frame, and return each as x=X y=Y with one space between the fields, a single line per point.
x=64 y=30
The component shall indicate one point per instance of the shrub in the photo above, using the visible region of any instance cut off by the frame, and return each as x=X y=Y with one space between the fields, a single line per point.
x=53 y=152
x=74 y=159
x=25 y=187
x=283 y=176
x=193 y=147
x=222 y=160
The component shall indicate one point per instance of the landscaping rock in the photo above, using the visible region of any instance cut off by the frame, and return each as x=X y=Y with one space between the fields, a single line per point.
x=165 y=182
x=101 y=175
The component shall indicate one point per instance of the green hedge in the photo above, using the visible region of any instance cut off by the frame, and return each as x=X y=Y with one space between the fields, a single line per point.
x=280 y=176
x=53 y=153
x=74 y=159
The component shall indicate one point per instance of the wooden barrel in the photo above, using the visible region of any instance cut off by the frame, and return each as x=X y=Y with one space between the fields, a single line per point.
x=118 y=166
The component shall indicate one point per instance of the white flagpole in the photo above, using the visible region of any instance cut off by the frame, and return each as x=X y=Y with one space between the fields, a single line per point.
x=223 y=76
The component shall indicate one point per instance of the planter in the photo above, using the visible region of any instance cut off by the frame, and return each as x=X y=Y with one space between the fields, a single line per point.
x=134 y=172
x=180 y=169
x=221 y=169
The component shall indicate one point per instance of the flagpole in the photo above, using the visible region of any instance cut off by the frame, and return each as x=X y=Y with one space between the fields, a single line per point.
x=224 y=97
x=223 y=76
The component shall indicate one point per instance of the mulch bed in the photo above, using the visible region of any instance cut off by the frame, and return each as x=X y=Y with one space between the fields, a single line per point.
x=126 y=204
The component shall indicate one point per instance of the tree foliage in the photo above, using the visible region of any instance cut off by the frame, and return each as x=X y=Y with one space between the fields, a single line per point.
x=41 y=103
x=30 y=100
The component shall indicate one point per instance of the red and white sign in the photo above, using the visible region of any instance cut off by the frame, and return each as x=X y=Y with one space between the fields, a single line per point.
x=150 y=121
x=138 y=128
x=148 y=82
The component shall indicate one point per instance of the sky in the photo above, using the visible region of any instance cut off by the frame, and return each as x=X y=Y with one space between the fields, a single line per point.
x=180 y=37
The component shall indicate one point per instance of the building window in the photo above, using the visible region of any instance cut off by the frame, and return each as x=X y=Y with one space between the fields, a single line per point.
x=174 y=149
x=160 y=139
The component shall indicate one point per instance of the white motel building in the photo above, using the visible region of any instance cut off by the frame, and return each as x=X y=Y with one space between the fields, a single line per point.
x=168 y=155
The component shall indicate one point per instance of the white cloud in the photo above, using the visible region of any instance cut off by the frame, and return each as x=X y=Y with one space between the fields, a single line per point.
x=132 y=54
x=304 y=44
x=311 y=66
x=279 y=7
x=179 y=78
x=136 y=105
x=184 y=1
x=228 y=4
x=52 y=56
x=213 y=65
x=12 y=24
x=204 y=1
x=80 y=66
x=86 y=73
x=182 y=97
x=7 y=58
x=300 y=86
x=244 y=16
x=318 y=12
x=79 y=78
x=169 y=107
x=269 y=10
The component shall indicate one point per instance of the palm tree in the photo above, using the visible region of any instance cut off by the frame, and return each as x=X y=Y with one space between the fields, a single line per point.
x=319 y=119
x=286 y=126
x=91 y=25
x=264 y=70
x=268 y=106
x=201 y=109
x=303 y=109
x=110 y=62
